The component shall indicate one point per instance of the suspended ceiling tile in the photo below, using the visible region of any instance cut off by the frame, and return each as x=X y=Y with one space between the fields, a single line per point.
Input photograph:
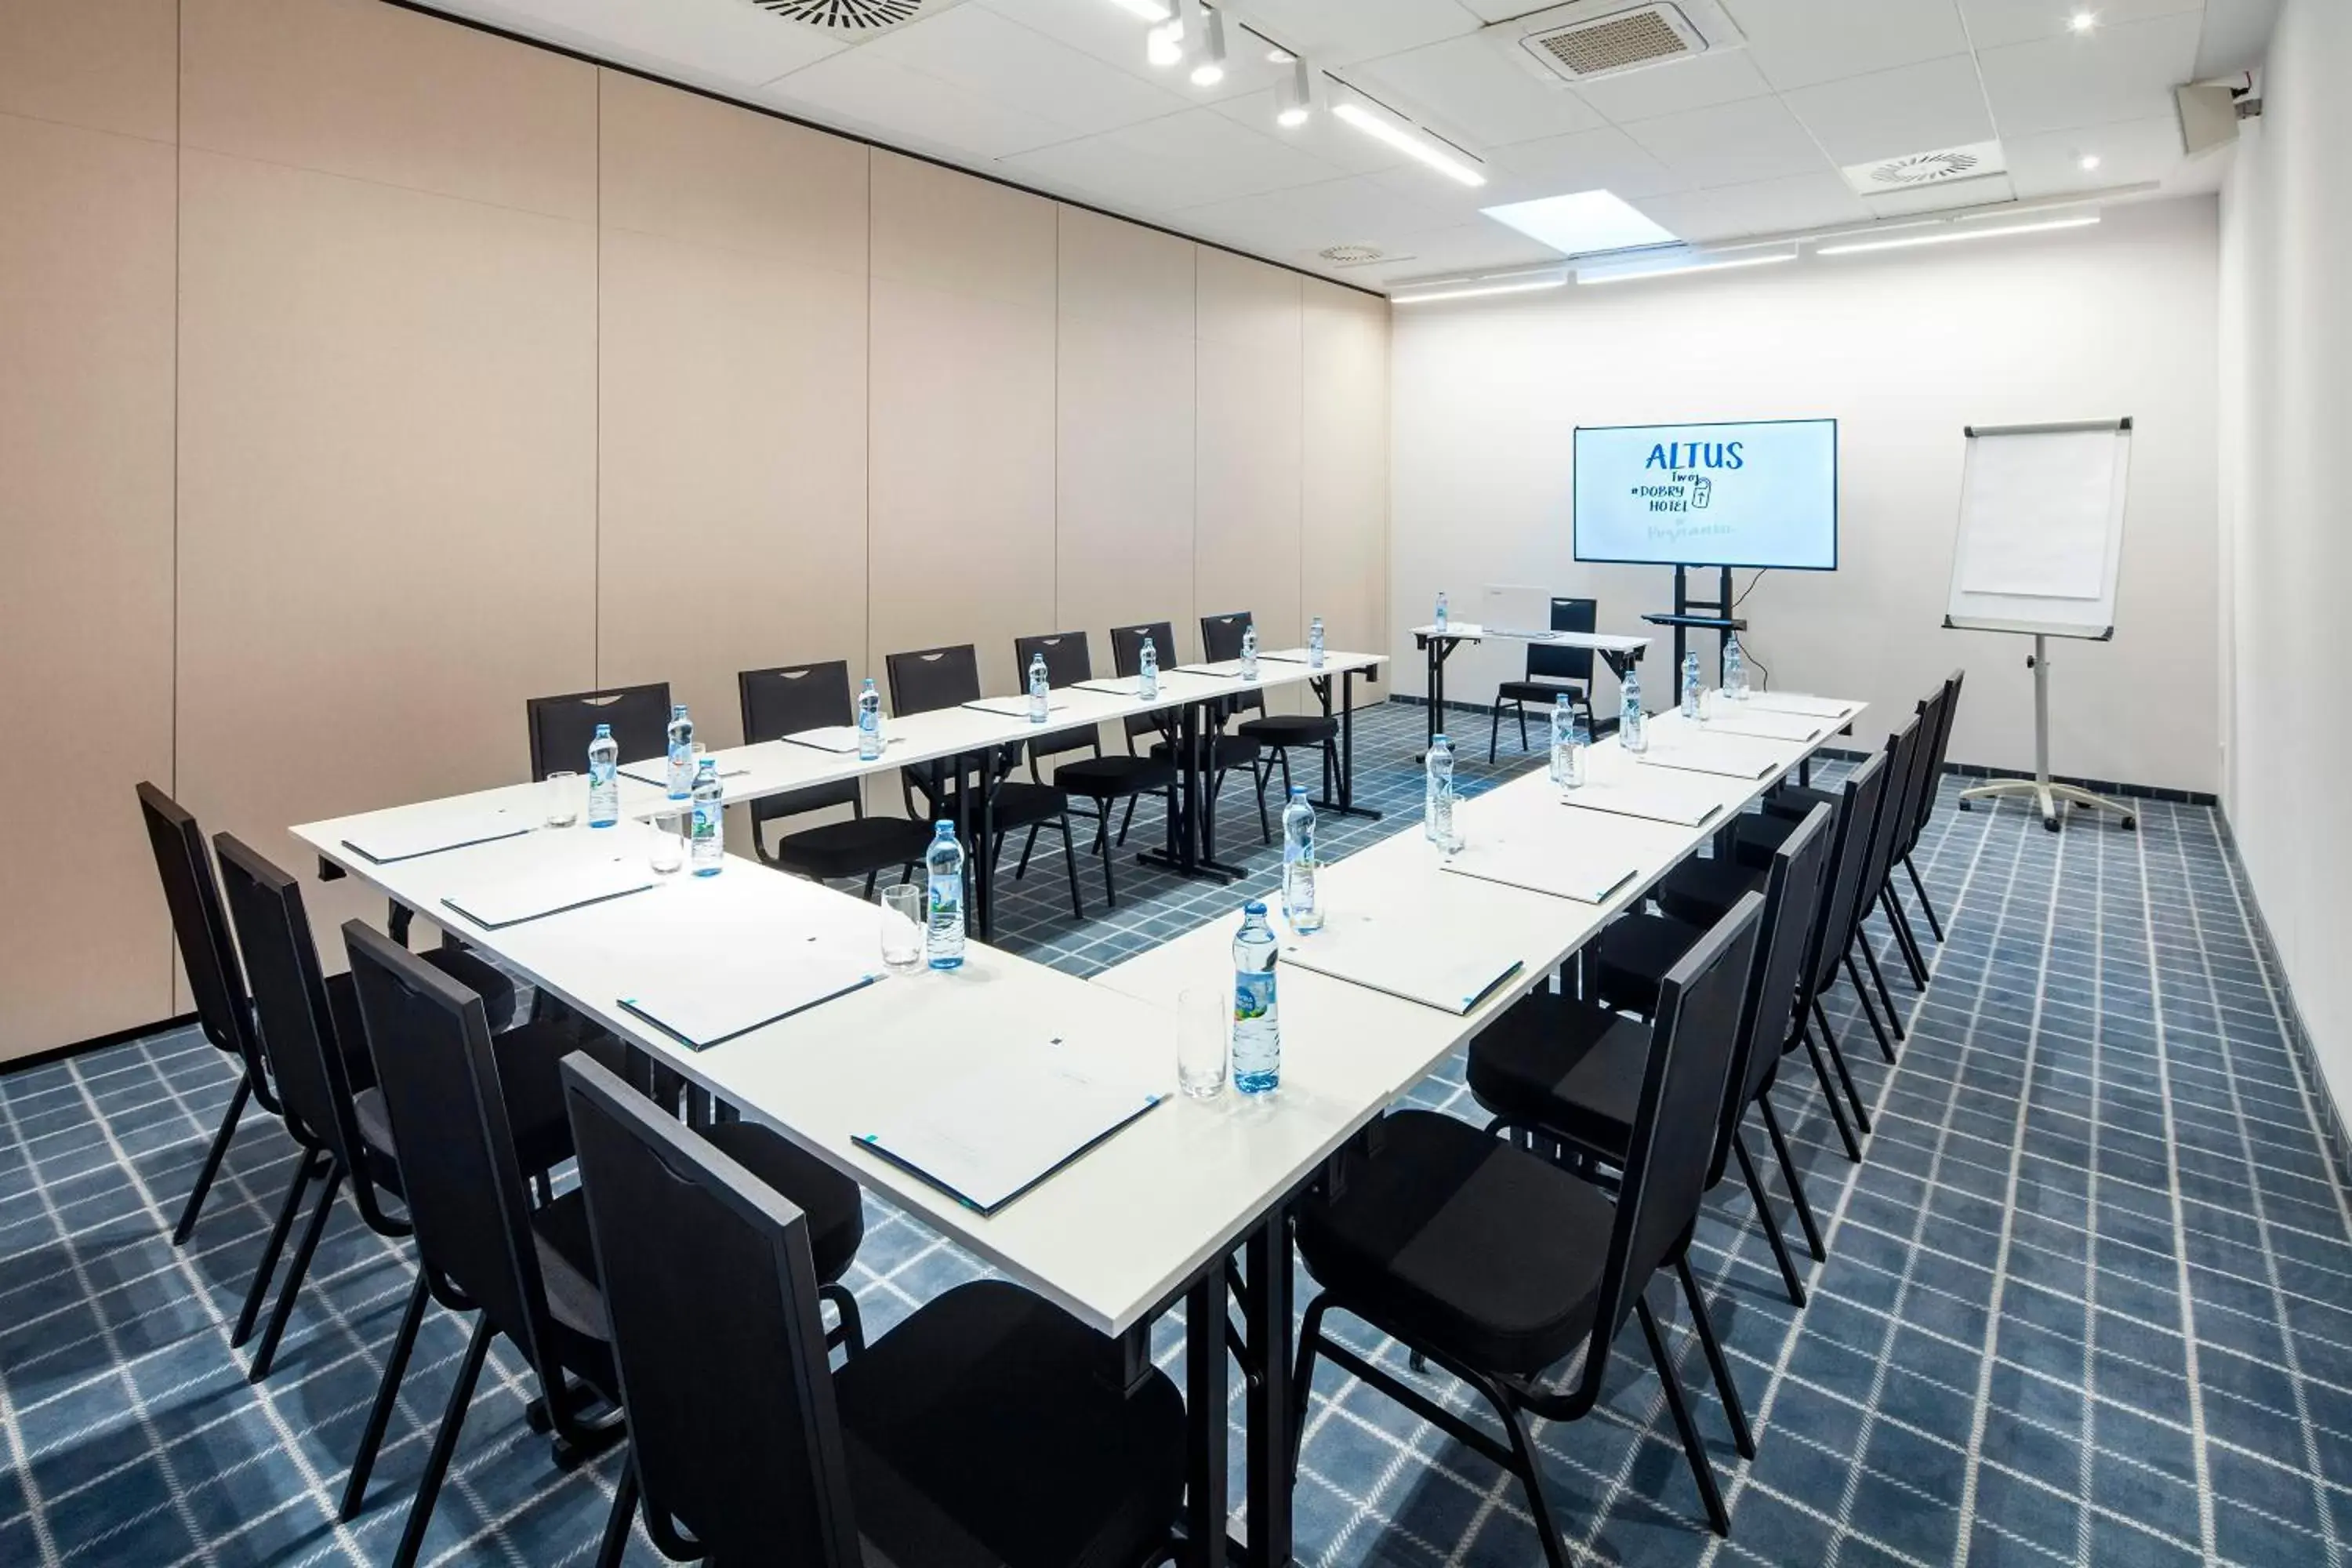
x=1723 y=76
x=1761 y=207
x=723 y=43
x=1340 y=32
x=877 y=96
x=1732 y=144
x=1469 y=85
x=1910 y=109
x=1185 y=160
x=1607 y=159
x=1995 y=23
x=998 y=60
x=2117 y=73
x=1796 y=43
x=1363 y=209
x=2128 y=152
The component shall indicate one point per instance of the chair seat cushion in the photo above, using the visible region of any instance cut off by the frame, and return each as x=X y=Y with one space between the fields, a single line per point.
x=533 y=1085
x=1521 y=1067
x=854 y=847
x=1024 y=804
x=1796 y=801
x=1633 y=958
x=1701 y=893
x=1545 y=692
x=1109 y=778
x=1462 y=1243
x=1291 y=728
x=1229 y=752
x=836 y=1210
x=1757 y=837
x=988 y=1430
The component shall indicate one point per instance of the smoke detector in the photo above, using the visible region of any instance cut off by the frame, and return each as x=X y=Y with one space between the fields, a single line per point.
x=1353 y=255
x=1912 y=170
x=858 y=18
x=1589 y=39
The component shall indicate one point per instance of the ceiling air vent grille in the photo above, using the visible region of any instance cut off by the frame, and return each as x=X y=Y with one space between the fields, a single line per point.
x=1351 y=255
x=1627 y=40
x=1885 y=176
x=845 y=15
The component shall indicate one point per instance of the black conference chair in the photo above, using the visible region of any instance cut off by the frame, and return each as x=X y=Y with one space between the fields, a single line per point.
x=783 y=701
x=1497 y=1264
x=1938 y=754
x=482 y=1248
x=989 y=1427
x=1698 y=891
x=927 y=679
x=1226 y=752
x=562 y=726
x=1551 y=673
x=1280 y=734
x=1569 y=1070
x=1105 y=780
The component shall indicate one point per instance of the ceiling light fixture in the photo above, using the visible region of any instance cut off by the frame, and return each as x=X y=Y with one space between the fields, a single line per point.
x=2083 y=21
x=1676 y=265
x=1278 y=56
x=1294 y=95
x=1381 y=129
x=1164 y=45
x=1150 y=10
x=1209 y=57
x=1492 y=283
x=2088 y=162
x=1948 y=235
x=1582 y=223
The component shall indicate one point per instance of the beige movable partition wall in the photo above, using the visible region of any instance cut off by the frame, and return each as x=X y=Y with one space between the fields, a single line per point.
x=386 y=410
x=1250 y=398
x=1345 y=488
x=86 y=218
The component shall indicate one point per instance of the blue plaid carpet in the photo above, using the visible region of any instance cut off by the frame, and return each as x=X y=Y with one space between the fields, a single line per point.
x=2088 y=1300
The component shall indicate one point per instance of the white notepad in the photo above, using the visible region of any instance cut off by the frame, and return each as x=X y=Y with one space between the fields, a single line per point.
x=702 y=1003
x=656 y=772
x=1557 y=864
x=1013 y=707
x=1660 y=794
x=839 y=739
x=1692 y=749
x=988 y=1137
x=515 y=897
x=1732 y=719
x=1399 y=958
x=409 y=836
x=1223 y=669
x=1798 y=702
x=1291 y=656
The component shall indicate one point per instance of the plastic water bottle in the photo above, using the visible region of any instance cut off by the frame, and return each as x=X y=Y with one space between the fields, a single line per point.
x=1300 y=907
x=943 y=939
x=1569 y=740
x=1735 y=669
x=869 y=722
x=1690 y=684
x=1041 y=702
x=1249 y=653
x=1437 y=796
x=1147 y=671
x=681 y=753
x=1439 y=621
x=707 y=850
x=1257 y=1025
x=1633 y=733
x=1315 y=643
x=604 y=778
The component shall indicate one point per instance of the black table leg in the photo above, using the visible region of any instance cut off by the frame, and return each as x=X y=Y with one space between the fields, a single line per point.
x=397 y=921
x=1205 y=1416
x=1346 y=804
x=1269 y=1398
x=1193 y=847
x=988 y=840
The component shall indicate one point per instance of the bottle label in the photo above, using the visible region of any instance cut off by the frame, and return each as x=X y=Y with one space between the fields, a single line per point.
x=946 y=896
x=1252 y=997
x=706 y=822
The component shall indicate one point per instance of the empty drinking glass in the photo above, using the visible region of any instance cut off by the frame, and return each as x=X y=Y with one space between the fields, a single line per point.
x=563 y=793
x=903 y=918
x=1205 y=1021
x=667 y=849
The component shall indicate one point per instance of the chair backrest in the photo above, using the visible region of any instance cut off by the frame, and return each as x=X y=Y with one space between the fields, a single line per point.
x=1566 y=663
x=1692 y=1037
x=1068 y=662
x=434 y=1062
x=192 y=896
x=1938 y=749
x=785 y=700
x=733 y=1433
x=1793 y=899
x=1126 y=658
x=562 y=726
x=924 y=680
x=1220 y=639
x=1904 y=754
x=1857 y=813
x=290 y=1000
x=1921 y=781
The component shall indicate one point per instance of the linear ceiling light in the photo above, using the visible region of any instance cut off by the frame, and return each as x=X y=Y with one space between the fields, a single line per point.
x=1150 y=10
x=1293 y=96
x=1209 y=57
x=1677 y=266
x=1946 y=237
x=1164 y=45
x=1381 y=129
x=1494 y=283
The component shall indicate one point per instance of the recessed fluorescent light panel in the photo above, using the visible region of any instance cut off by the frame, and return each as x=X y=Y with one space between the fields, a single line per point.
x=1947 y=236
x=1410 y=143
x=1582 y=223
x=1674 y=266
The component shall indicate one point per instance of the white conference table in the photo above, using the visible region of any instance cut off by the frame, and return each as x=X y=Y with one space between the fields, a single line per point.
x=1151 y=1214
x=1621 y=653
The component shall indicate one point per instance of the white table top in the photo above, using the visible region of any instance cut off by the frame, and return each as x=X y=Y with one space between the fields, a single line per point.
x=1470 y=631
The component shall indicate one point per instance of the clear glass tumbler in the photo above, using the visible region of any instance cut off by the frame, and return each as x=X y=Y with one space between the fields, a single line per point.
x=904 y=913
x=1204 y=1022
x=665 y=837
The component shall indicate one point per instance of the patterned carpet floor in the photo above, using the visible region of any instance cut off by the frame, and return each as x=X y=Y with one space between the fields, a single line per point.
x=2088 y=1298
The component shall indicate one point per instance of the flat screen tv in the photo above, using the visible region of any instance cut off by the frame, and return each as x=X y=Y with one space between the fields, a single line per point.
x=1762 y=493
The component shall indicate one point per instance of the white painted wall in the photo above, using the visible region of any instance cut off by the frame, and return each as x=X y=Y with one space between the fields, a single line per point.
x=2287 y=524
x=1903 y=349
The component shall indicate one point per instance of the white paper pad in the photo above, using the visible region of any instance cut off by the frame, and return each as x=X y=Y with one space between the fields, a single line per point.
x=1013 y=707
x=1223 y=669
x=704 y=1002
x=1124 y=686
x=1733 y=719
x=1798 y=702
x=1564 y=863
x=409 y=836
x=990 y=1136
x=839 y=739
x=512 y=898
x=1291 y=656
x=1690 y=749
x=1660 y=794
x=656 y=772
x=1397 y=957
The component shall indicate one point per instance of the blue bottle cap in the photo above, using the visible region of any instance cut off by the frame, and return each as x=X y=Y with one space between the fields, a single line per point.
x=1254 y=908
x=943 y=828
x=603 y=731
x=1441 y=740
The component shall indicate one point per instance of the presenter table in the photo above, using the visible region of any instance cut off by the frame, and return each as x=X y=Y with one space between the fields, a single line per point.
x=1620 y=653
